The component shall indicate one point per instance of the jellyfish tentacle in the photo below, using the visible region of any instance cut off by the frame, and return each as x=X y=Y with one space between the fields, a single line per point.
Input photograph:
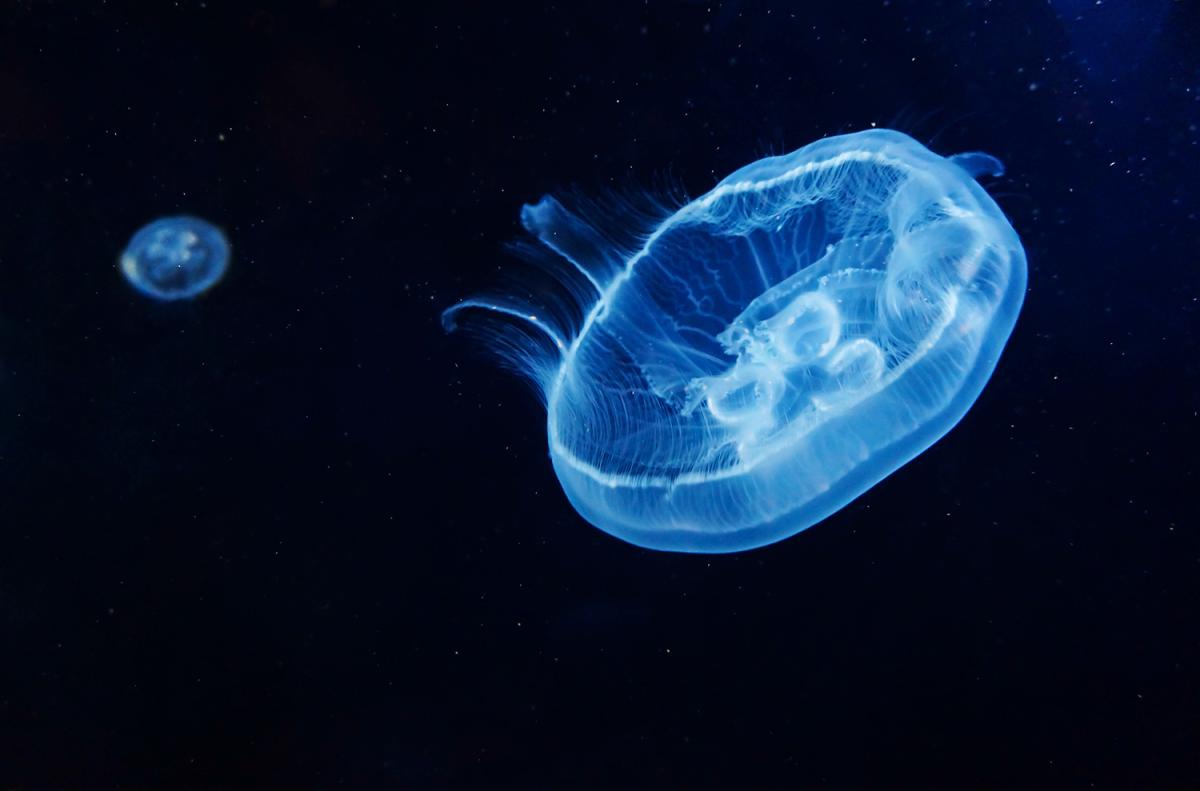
x=977 y=163
x=572 y=238
x=450 y=317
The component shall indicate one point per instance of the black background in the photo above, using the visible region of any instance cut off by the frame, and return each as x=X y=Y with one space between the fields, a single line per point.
x=290 y=535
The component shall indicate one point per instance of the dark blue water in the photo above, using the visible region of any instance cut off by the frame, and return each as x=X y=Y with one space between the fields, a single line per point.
x=290 y=535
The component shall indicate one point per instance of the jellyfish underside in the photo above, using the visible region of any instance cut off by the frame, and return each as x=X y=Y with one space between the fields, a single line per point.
x=781 y=344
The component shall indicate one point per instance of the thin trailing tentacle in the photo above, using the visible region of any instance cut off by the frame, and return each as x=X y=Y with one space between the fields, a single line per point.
x=977 y=163
x=571 y=238
x=573 y=266
x=449 y=317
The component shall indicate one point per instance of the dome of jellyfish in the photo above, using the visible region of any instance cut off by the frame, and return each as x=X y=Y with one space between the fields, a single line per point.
x=175 y=258
x=768 y=352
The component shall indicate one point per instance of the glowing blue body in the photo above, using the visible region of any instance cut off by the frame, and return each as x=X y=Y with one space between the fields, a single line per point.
x=774 y=348
x=175 y=258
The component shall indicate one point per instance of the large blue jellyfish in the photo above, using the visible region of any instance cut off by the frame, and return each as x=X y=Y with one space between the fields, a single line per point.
x=175 y=258
x=774 y=348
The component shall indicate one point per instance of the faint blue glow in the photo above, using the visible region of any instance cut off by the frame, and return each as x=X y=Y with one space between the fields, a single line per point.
x=175 y=258
x=771 y=350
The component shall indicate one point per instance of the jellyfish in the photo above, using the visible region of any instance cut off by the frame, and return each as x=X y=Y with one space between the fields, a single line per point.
x=175 y=258
x=771 y=350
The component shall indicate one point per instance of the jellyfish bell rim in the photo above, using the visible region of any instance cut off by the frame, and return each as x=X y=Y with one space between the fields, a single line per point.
x=577 y=476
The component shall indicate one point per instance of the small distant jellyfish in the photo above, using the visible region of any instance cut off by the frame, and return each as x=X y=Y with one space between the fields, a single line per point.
x=175 y=258
x=772 y=349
